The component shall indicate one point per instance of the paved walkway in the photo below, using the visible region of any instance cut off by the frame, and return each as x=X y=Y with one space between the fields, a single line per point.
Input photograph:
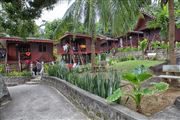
x=170 y=113
x=39 y=102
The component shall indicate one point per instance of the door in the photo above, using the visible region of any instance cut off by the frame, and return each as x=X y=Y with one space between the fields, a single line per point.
x=12 y=52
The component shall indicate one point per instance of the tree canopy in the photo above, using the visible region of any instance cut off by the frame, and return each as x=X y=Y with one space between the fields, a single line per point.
x=17 y=16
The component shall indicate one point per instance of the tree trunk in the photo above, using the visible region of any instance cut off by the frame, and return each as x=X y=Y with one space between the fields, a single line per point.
x=172 y=54
x=93 y=51
x=92 y=28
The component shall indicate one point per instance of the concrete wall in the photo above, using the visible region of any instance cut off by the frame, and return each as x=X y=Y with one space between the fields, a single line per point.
x=94 y=106
x=11 y=81
x=4 y=93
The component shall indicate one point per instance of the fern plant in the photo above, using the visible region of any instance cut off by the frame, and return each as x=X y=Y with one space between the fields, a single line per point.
x=136 y=79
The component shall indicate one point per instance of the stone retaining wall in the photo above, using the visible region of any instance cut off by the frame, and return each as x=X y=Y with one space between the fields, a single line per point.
x=11 y=81
x=4 y=93
x=94 y=106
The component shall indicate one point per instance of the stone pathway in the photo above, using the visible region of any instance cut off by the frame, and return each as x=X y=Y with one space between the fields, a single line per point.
x=39 y=102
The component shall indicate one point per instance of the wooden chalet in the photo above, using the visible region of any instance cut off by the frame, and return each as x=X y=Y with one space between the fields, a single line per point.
x=14 y=50
x=79 y=50
x=142 y=31
x=131 y=39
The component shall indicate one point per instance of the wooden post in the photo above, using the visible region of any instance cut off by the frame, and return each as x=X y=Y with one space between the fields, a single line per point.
x=19 y=61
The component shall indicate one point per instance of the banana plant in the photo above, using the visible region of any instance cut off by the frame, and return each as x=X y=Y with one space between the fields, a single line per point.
x=136 y=79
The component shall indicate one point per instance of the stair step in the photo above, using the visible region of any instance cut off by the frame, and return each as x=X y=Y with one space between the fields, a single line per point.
x=30 y=83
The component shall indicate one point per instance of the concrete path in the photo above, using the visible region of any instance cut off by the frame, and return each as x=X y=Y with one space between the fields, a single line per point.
x=170 y=113
x=39 y=102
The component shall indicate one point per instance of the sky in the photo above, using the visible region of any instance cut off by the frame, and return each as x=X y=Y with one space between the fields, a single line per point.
x=57 y=12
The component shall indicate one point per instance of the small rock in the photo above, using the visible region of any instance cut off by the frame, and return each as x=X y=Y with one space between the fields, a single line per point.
x=177 y=103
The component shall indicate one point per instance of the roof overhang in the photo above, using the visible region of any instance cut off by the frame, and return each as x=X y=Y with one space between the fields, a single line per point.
x=18 y=39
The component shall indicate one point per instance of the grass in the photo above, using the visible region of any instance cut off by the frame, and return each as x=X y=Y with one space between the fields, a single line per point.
x=128 y=66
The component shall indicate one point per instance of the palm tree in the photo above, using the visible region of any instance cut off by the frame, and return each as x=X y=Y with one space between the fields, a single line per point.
x=117 y=15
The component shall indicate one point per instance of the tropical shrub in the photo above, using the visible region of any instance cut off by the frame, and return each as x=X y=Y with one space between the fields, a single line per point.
x=136 y=79
x=2 y=69
x=177 y=44
x=103 y=56
x=127 y=49
x=143 y=44
x=59 y=70
x=19 y=74
x=101 y=84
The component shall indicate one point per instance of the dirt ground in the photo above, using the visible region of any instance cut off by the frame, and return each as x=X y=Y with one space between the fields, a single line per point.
x=154 y=103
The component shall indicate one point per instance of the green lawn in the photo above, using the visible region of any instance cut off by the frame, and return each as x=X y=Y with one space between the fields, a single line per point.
x=128 y=66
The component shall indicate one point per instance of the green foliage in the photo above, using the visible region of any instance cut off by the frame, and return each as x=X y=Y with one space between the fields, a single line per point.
x=115 y=96
x=129 y=66
x=103 y=56
x=127 y=49
x=2 y=69
x=136 y=80
x=19 y=74
x=66 y=25
x=159 y=45
x=58 y=70
x=143 y=44
x=161 y=22
x=50 y=27
x=178 y=44
x=26 y=10
x=100 y=84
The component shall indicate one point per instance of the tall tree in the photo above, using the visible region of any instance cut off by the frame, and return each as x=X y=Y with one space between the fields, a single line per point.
x=18 y=15
x=50 y=27
x=172 y=54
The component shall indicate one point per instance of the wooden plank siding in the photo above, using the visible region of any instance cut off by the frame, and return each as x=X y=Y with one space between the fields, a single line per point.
x=14 y=47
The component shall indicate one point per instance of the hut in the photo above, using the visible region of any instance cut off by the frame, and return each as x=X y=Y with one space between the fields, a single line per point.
x=16 y=51
x=142 y=31
x=77 y=48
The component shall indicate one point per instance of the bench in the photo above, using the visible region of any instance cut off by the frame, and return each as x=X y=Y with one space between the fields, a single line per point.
x=171 y=72
x=151 y=55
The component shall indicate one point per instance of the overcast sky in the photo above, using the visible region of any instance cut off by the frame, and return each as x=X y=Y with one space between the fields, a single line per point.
x=57 y=12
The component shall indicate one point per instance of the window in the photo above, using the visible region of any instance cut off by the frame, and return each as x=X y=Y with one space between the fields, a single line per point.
x=42 y=48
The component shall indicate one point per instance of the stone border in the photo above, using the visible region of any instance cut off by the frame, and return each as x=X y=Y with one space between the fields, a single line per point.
x=12 y=81
x=4 y=93
x=94 y=106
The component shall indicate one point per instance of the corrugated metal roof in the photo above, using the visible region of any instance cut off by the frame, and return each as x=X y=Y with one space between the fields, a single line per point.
x=28 y=39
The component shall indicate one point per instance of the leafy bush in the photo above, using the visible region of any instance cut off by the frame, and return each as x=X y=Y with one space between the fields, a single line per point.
x=100 y=84
x=2 y=69
x=127 y=49
x=19 y=74
x=159 y=45
x=58 y=70
x=143 y=44
x=103 y=56
x=136 y=79
x=178 y=44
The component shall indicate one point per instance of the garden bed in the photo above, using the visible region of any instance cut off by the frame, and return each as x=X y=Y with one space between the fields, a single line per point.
x=153 y=103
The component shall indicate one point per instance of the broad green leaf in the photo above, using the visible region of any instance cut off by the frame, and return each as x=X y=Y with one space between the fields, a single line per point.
x=143 y=76
x=160 y=87
x=147 y=91
x=131 y=77
x=115 y=96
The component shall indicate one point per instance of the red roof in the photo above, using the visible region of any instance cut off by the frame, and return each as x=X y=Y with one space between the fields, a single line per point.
x=99 y=37
x=28 y=39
